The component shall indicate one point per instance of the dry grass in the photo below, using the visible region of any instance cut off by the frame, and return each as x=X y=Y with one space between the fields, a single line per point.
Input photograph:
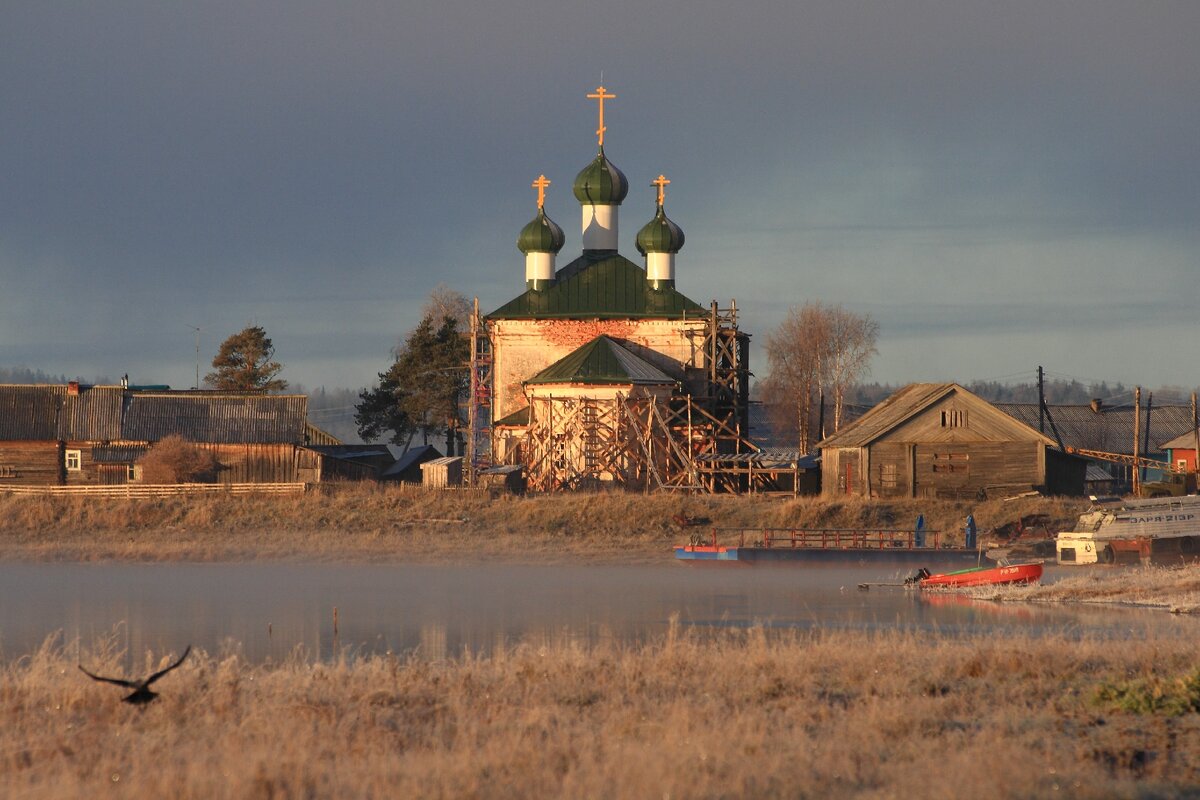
x=367 y=522
x=832 y=714
x=1174 y=588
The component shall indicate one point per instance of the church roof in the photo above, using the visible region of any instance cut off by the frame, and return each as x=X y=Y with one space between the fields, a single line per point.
x=602 y=361
x=599 y=285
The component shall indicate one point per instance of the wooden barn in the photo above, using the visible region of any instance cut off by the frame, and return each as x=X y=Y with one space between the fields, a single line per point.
x=77 y=435
x=940 y=440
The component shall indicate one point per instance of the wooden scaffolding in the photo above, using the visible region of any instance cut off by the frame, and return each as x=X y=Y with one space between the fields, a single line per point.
x=638 y=440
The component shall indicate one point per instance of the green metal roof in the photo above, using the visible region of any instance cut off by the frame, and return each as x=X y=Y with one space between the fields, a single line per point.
x=599 y=285
x=518 y=418
x=602 y=361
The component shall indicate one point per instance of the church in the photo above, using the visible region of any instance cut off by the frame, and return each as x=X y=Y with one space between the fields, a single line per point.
x=602 y=371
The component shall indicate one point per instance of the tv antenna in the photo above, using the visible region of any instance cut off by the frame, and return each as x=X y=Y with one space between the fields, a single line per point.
x=197 y=330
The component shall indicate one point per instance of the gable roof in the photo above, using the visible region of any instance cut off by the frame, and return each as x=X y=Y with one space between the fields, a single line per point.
x=903 y=406
x=599 y=285
x=1184 y=441
x=49 y=412
x=1110 y=429
x=602 y=361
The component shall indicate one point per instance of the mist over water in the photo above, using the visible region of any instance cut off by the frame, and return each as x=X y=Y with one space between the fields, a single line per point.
x=268 y=611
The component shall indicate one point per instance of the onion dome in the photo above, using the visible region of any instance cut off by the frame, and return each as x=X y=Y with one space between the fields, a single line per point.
x=660 y=235
x=541 y=235
x=601 y=183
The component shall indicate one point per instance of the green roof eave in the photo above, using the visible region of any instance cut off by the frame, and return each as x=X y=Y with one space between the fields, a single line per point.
x=601 y=362
x=600 y=286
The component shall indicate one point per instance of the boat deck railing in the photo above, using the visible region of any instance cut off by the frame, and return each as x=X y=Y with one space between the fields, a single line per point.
x=822 y=538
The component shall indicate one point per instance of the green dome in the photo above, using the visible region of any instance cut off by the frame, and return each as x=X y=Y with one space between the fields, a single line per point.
x=601 y=183
x=660 y=235
x=541 y=235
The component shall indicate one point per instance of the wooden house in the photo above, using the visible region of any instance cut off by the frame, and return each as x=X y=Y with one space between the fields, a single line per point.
x=940 y=440
x=78 y=435
x=1181 y=451
x=49 y=434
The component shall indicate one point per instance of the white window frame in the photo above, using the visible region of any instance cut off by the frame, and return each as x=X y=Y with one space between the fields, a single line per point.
x=73 y=460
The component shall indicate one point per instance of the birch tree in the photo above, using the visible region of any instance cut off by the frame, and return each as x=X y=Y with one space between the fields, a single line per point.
x=816 y=349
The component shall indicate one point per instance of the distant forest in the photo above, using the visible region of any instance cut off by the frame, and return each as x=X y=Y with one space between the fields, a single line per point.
x=1064 y=392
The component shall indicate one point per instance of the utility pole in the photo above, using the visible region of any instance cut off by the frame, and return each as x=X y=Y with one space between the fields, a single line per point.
x=1137 y=429
x=1196 y=439
x=1041 y=400
x=1146 y=435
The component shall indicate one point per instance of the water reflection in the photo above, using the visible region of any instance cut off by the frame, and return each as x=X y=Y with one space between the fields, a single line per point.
x=267 y=611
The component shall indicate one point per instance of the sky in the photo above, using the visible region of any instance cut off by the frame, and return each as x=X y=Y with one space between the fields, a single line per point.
x=999 y=185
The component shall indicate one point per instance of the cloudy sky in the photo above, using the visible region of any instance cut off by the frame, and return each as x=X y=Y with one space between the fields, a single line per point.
x=1000 y=185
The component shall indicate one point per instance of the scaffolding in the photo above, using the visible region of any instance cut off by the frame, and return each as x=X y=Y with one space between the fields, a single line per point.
x=479 y=403
x=687 y=442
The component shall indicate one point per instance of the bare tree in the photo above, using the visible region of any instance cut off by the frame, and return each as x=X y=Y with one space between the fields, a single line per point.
x=445 y=302
x=851 y=344
x=816 y=347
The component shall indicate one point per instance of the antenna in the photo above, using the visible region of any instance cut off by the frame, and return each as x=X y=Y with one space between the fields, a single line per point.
x=196 y=328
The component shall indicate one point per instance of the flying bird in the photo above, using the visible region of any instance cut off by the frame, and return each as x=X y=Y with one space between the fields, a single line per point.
x=141 y=689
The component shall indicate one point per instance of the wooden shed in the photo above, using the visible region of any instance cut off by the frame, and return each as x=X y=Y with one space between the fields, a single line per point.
x=441 y=473
x=940 y=440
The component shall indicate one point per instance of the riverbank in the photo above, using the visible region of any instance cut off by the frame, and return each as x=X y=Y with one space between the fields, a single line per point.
x=1175 y=589
x=830 y=714
x=356 y=523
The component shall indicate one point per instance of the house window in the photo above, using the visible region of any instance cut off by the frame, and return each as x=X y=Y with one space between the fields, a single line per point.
x=952 y=462
x=954 y=418
x=1181 y=464
x=8 y=472
x=74 y=461
x=887 y=476
x=133 y=472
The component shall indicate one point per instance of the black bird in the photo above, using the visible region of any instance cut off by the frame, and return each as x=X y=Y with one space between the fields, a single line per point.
x=141 y=689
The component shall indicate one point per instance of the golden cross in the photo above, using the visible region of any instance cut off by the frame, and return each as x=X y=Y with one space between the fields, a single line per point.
x=601 y=95
x=661 y=182
x=540 y=184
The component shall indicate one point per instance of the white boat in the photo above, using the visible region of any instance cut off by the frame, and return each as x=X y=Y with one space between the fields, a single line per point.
x=1161 y=529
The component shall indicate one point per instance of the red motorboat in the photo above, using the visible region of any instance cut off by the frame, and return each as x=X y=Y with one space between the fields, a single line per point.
x=984 y=576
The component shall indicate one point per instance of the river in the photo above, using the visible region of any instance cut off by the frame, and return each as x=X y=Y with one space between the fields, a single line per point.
x=267 y=610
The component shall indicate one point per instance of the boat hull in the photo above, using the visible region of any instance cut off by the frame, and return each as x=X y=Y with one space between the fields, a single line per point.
x=985 y=576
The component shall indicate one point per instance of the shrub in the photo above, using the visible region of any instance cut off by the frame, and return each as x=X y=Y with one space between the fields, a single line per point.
x=176 y=460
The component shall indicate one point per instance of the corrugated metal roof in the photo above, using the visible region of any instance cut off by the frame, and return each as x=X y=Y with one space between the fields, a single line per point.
x=1110 y=429
x=599 y=286
x=118 y=454
x=50 y=413
x=93 y=415
x=218 y=419
x=602 y=361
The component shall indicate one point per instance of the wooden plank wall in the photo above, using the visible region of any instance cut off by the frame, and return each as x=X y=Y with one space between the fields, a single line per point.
x=255 y=463
x=29 y=463
x=962 y=469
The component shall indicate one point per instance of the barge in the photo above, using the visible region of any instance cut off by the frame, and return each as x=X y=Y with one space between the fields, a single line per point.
x=751 y=546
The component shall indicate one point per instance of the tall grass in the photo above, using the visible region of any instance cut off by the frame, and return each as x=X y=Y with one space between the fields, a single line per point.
x=830 y=714
x=362 y=521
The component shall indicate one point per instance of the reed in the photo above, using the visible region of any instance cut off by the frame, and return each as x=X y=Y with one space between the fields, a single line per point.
x=354 y=522
x=826 y=714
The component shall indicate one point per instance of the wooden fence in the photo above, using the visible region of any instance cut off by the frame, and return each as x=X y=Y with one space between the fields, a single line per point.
x=135 y=490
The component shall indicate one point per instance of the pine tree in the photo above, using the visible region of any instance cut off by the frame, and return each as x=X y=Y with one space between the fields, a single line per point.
x=245 y=363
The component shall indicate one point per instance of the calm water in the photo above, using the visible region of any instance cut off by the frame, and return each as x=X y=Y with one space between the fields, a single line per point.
x=267 y=610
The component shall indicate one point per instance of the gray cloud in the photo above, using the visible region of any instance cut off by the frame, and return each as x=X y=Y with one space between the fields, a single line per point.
x=319 y=167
